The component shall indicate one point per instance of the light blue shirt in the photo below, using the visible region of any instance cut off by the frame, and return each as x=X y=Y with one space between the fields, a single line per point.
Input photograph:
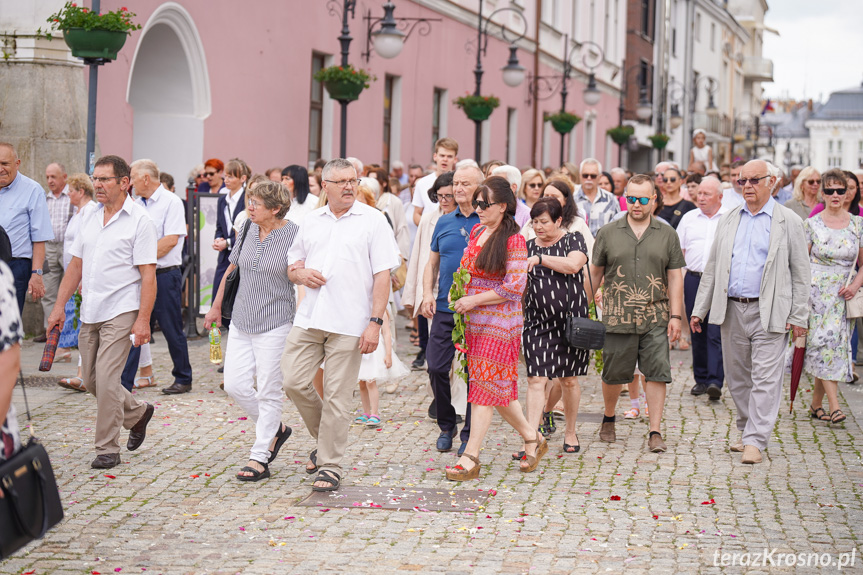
x=24 y=215
x=751 y=244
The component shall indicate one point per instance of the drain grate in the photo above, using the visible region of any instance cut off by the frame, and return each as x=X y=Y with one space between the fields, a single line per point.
x=399 y=498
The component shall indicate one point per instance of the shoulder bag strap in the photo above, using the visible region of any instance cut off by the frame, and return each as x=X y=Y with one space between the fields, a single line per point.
x=26 y=404
x=246 y=227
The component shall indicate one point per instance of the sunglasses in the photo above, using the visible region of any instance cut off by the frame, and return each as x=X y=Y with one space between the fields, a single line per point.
x=590 y=176
x=482 y=204
x=666 y=180
x=831 y=191
x=209 y=174
x=537 y=186
x=813 y=182
x=633 y=200
x=752 y=181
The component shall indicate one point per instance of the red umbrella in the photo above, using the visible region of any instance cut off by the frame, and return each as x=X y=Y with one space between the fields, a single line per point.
x=797 y=367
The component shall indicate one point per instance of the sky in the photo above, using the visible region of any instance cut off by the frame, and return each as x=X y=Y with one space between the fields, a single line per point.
x=819 y=49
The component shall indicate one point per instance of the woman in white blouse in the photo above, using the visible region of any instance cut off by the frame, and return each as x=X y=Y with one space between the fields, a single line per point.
x=296 y=179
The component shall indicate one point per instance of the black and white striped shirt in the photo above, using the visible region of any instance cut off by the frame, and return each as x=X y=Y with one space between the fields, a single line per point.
x=265 y=298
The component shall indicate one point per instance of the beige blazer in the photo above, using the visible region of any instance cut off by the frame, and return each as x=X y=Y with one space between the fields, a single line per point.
x=412 y=296
x=785 y=283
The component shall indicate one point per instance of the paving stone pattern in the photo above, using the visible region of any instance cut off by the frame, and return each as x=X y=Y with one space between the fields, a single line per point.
x=174 y=506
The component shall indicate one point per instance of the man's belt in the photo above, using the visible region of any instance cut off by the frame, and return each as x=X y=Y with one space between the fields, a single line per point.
x=161 y=271
x=692 y=273
x=743 y=299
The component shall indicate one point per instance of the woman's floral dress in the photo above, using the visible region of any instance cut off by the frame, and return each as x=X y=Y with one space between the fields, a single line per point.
x=11 y=332
x=832 y=259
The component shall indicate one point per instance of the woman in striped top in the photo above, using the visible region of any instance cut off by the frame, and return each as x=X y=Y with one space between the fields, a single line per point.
x=262 y=316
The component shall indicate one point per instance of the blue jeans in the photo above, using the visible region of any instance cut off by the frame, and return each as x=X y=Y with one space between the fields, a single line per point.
x=21 y=270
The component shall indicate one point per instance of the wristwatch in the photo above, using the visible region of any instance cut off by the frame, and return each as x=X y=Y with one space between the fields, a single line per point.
x=37 y=272
x=377 y=320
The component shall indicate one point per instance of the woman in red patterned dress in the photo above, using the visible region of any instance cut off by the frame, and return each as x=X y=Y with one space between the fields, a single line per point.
x=496 y=258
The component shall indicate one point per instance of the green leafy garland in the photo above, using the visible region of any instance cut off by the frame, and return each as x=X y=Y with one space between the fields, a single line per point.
x=460 y=280
x=77 y=298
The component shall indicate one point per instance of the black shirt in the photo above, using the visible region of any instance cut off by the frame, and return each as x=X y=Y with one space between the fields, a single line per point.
x=672 y=213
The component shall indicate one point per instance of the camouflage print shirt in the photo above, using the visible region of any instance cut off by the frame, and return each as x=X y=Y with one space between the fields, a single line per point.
x=635 y=298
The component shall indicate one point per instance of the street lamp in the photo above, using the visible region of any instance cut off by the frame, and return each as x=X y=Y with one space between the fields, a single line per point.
x=387 y=41
x=643 y=109
x=513 y=73
x=591 y=94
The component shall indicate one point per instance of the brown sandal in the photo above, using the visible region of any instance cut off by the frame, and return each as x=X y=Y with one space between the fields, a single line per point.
x=459 y=473
x=533 y=460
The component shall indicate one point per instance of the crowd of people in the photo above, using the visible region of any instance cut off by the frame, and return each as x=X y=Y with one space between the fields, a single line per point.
x=724 y=261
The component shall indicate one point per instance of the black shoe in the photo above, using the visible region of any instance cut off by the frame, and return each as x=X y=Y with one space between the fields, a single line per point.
x=462 y=448
x=177 y=389
x=41 y=338
x=420 y=361
x=139 y=430
x=699 y=389
x=432 y=413
x=221 y=369
x=714 y=392
x=458 y=419
x=106 y=461
x=444 y=440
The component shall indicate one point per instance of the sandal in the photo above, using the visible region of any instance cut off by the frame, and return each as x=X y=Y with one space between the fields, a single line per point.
x=683 y=345
x=373 y=421
x=67 y=382
x=63 y=357
x=837 y=418
x=281 y=437
x=313 y=457
x=415 y=336
x=547 y=426
x=818 y=414
x=459 y=473
x=255 y=474
x=567 y=448
x=518 y=455
x=632 y=413
x=533 y=460
x=331 y=477
x=149 y=380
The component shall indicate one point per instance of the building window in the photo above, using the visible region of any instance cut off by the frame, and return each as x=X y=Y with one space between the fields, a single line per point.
x=589 y=138
x=712 y=37
x=438 y=115
x=860 y=154
x=388 y=120
x=645 y=19
x=697 y=27
x=316 y=111
x=511 y=136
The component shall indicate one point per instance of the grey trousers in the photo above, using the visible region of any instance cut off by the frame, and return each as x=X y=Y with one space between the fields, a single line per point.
x=53 y=277
x=754 y=361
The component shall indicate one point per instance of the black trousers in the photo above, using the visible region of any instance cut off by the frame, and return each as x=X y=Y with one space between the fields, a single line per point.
x=439 y=355
x=707 y=345
x=423 y=329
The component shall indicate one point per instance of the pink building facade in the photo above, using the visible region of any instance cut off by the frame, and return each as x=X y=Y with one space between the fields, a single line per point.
x=213 y=78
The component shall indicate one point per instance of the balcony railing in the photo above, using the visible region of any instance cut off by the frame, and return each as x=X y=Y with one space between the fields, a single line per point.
x=758 y=69
x=719 y=124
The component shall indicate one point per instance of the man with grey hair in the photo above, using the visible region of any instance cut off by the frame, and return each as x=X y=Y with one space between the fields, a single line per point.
x=786 y=192
x=167 y=212
x=343 y=255
x=697 y=230
x=513 y=176
x=61 y=210
x=596 y=205
x=357 y=164
x=398 y=172
x=618 y=175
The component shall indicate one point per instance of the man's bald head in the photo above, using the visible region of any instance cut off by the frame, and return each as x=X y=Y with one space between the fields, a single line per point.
x=472 y=173
x=55 y=175
x=708 y=198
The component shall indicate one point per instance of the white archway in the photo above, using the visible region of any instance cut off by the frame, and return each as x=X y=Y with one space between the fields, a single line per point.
x=169 y=90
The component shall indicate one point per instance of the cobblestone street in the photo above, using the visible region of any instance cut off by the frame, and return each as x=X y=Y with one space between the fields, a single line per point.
x=174 y=506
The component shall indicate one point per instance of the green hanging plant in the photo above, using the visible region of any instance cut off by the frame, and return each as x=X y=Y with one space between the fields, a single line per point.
x=620 y=135
x=344 y=83
x=659 y=141
x=563 y=122
x=477 y=108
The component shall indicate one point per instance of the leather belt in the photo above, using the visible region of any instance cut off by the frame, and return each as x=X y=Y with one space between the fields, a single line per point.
x=161 y=271
x=743 y=299
x=692 y=273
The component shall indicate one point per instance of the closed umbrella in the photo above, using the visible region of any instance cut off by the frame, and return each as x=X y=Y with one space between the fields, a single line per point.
x=797 y=367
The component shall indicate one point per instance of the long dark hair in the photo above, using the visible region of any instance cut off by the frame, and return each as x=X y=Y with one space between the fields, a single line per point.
x=301 y=181
x=854 y=208
x=492 y=257
x=570 y=208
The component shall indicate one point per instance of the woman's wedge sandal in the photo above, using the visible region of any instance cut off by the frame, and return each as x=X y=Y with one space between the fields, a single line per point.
x=327 y=476
x=459 y=473
x=533 y=460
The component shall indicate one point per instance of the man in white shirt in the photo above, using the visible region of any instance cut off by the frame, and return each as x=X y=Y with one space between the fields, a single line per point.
x=114 y=258
x=343 y=255
x=734 y=196
x=166 y=211
x=697 y=230
x=61 y=210
x=445 y=158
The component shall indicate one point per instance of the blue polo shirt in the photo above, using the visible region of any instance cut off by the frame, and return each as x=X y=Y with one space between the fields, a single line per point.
x=450 y=237
x=24 y=215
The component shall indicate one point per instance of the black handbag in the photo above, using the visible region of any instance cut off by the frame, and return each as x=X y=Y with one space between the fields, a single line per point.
x=582 y=332
x=31 y=501
x=232 y=282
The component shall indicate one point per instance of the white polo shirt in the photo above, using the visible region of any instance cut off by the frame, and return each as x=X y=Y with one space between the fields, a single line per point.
x=111 y=254
x=348 y=252
x=421 y=193
x=697 y=232
x=166 y=211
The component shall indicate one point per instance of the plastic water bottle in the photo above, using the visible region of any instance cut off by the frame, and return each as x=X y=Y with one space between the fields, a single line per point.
x=215 y=344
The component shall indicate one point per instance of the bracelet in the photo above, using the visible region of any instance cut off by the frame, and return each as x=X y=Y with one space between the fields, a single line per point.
x=540 y=259
x=675 y=317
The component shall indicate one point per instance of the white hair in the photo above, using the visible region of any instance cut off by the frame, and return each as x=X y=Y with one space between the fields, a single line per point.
x=593 y=161
x=511 y=173
x=466 y=163
x=373 y=185
x=197 y=170
x=397 y=165
x=358 y=165
x=668 y=164
x=147 y=166
x=620 y=171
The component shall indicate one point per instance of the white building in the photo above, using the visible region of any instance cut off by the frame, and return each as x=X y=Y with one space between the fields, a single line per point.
x=836 y=131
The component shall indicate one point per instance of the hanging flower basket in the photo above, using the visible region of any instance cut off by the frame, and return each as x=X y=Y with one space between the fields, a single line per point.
x=620 y=135
x=563 y=122
x=659 y=141
x=477 y=108
x=91 y=35
x=344 y=83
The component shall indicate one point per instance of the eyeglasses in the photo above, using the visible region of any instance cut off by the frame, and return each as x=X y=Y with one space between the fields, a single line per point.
x=752 y=181
x=666 y=180
x=209 y=174
x=482 y=205
x=643 y=201
x=447 y=197
x=590 y=176
x=813 y=182
x=536 y=186
x=344 y=183
x=105 y=179
x=200 y=175
x=837 y=191
x=255 y=205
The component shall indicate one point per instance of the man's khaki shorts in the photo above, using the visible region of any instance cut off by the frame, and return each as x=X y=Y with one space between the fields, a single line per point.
x=623 y=351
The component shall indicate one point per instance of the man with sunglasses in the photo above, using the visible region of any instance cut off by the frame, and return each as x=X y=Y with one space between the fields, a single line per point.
x=674 y=206
x=731 y=198
x=756 y=287
x=598 y=206
x=639 y=260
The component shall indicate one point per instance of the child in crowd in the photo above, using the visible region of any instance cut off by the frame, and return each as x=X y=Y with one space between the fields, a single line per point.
x=379 y=366
x=700 y=151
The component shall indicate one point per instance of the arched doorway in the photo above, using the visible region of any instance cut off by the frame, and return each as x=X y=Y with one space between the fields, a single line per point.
x=169 y=90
